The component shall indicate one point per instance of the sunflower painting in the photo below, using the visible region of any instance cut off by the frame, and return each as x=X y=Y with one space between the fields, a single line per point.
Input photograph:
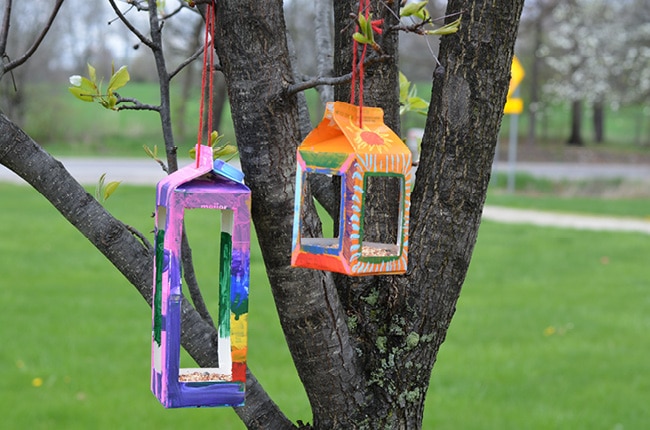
x=357 y=150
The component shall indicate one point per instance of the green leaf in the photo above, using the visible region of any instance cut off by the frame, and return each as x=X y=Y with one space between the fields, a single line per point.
x=92 y=74
x=110 y=188
x=226 y=152
x=367 y=29
x=361 y=38
x=404 y=84
x=216 y=138
x=119 y=79
x=423 y=14
x=153 y=154
x=413 y=8
x=450 y=28
x=80 y=94
x=418 y=103
x=362 y=23
x=100 y=186
x=85 y=90
x=112 y=101
x=408 y=98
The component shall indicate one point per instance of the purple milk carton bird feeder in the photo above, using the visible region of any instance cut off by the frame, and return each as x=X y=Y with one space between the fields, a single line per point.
x=208 y=185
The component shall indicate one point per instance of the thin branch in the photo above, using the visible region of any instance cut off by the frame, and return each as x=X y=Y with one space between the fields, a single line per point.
x=185 y=63
x=6 y=22
x=163 y=78
x=162 y=164
x=178 y=9
x=418 y=27
x=138 y=5
x=314 y=82
x=324 y=45
x=142 y=237
x=19 y=61
x=329 y=80
x=135 y=104
x=131 y=27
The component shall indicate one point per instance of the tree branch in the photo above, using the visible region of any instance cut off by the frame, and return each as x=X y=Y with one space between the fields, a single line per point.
x=163 y=78
x=324 y=46
x=4 y=31
x=327 y=80
x=180 y=7
x=185 y=63
x=20 y=154
x=131 y=27
x=136 y=104
x=4 y=68
x=142 y=237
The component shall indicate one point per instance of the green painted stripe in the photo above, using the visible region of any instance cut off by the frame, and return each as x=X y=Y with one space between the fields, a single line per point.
x=225 y=262
x=157 y=298
x=324 y=159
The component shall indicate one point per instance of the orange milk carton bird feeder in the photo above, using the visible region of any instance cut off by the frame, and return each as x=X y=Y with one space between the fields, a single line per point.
x=358 y=152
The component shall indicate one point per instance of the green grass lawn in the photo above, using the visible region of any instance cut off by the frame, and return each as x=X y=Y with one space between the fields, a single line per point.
x=551 y=331
x=568 y=196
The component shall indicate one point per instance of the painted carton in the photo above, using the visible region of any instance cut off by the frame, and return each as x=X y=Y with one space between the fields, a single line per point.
x=206 y=185
x=357 y=151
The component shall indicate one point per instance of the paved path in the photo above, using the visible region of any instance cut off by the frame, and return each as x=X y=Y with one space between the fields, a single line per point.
x=565 y=220
x=147 y=172
x=87 y=171
x=581 y=171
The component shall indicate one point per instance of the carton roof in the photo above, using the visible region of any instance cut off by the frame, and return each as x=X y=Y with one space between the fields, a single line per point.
x=340 y=132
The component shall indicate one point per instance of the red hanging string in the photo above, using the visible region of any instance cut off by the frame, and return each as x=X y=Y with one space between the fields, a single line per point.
x=207 y=78
x=211 y=73
x=357 y=63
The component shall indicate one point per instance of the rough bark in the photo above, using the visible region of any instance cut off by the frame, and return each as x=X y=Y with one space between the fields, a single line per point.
x=395 y=324
x=255 y=61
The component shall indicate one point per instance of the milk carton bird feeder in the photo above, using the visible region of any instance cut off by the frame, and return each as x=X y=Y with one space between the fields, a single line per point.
x=359 y=152
x=206 y=185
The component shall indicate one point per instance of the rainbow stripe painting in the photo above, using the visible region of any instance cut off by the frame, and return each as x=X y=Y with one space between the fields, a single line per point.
x=358 y=152
x=206 y=185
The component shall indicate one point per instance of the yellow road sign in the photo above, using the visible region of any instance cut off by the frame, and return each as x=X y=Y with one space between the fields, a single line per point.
x=514 y=105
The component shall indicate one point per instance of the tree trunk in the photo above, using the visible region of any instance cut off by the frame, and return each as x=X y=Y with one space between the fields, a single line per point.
x=266 y=124
x=576 y=124
x=383 y=331
x=599 y=122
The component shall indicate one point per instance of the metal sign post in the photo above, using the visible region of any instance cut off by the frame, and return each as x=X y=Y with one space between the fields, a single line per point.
x=514 y=106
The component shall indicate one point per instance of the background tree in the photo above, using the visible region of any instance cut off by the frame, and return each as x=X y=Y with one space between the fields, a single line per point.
x=592 y=47
x=535 y=25
x=18 y=46
x=364 y=348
